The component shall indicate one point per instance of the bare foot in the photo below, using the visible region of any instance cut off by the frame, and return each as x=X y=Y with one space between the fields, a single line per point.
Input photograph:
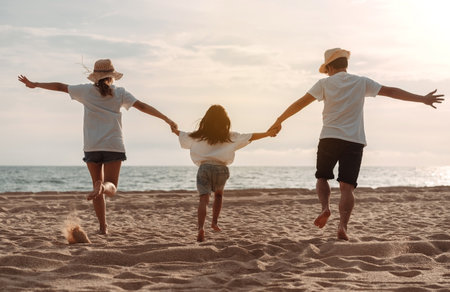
x=98 y=190
x=215 y=227
x=201 y=235
x=109 y=189
x=103 y=230
x=322 y=219
x=342 y=233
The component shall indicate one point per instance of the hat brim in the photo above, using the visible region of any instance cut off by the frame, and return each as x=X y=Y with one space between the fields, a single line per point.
x=96 y=76
x=336 y=55
x=323 y=68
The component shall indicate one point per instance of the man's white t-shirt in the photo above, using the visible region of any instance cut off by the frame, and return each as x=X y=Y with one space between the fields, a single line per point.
x=343 y=95
x=102 y=117
x=222 y=153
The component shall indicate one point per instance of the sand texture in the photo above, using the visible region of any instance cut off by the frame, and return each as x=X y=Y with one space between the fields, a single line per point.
x=399 y=241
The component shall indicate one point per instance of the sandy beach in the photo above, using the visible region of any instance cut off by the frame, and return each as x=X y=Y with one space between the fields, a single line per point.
x=399 y=241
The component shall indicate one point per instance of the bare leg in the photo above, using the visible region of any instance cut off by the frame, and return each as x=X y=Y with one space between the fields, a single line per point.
x=217 y=206
x=98 y=200
x=345 y=208
x=201 y=212
x=100 y=210
x=105 y=178
x=323 y=192
x=111 y=181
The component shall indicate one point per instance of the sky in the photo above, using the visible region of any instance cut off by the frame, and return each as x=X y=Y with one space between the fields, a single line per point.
x=254 y=57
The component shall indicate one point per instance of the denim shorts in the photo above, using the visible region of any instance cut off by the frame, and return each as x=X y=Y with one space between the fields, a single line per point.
x=348 y=154
x=103 y=156
x=211 y=178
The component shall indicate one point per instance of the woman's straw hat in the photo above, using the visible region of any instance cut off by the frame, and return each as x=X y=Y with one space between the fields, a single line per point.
x=102 y=69
x=331 y=55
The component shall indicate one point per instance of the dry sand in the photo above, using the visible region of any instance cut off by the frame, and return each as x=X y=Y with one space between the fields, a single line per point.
x=399 y=241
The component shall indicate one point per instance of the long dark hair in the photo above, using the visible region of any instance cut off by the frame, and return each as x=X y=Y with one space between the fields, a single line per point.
x=103 y=86
x=214 y=126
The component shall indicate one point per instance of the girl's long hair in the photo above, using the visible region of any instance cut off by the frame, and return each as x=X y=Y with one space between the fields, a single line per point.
x=103 y=86
x=214 y=126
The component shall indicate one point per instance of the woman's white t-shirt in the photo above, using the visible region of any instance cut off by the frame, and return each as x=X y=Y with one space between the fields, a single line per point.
x=343 y=95
x=102 y=117
x=222 y=153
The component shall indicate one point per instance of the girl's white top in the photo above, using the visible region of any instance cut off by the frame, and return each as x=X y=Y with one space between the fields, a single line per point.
x=102 y=117
x=222 y=153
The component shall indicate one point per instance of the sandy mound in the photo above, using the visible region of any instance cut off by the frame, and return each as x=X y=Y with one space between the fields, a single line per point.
x=73 y=232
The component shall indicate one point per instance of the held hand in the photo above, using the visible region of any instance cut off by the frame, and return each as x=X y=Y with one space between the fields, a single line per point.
x=175 y=130
x=275 y=127
x=172 y=124
x=432 y=98
x=25 y=81
x=272 y=132
x=173 y=127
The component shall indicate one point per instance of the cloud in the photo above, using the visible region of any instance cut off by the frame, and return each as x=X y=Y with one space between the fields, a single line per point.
x=96 y=47
x=238 y=57
x=254 y=57
x=63 y=41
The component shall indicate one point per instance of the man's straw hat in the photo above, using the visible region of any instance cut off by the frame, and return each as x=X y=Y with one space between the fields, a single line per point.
x=331 y=55
x=102 y=69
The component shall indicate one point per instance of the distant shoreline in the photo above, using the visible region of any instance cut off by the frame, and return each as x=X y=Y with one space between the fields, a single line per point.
x=233 y=165
x=172 y=178
x=399 y=189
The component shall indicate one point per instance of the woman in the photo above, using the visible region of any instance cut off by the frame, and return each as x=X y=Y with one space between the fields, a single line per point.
x=103 y=140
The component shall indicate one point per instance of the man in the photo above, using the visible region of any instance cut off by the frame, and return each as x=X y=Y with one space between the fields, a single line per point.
x=342 y=138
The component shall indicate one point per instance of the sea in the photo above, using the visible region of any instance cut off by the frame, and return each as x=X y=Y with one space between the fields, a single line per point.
x=169 y=178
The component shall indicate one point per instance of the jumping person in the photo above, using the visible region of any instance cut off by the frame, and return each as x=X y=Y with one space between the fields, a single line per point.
x=342 y=138
x=212 y=147
x=104 y=148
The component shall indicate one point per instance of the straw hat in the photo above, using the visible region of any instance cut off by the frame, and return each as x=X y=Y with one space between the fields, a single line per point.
x=102 y=69
x=331 y=55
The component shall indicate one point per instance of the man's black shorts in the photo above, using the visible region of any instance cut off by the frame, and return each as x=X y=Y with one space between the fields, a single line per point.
x=348 y=154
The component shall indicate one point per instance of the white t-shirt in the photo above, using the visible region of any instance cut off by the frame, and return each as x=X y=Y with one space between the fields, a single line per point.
x=102 y=117
x=343 y=95
x=222 y=153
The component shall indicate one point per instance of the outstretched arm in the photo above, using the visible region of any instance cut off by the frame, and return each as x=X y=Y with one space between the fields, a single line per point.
x=401 y=94
x=148 y=109
x=292 y=110
x=271 y=132
x=49 y=86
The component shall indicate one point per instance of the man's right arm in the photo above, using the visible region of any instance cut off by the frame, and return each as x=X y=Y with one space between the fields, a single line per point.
x=292 y=110
x=401 y=94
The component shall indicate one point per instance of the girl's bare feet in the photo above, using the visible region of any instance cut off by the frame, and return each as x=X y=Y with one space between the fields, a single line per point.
x=201 y=235
x=215 y=227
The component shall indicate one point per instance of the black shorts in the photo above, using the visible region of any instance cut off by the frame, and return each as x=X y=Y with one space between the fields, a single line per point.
x=103 y=156
x=349 y=155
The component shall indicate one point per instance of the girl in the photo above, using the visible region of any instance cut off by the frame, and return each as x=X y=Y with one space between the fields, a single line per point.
x=104 y=150
x=212 y=148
